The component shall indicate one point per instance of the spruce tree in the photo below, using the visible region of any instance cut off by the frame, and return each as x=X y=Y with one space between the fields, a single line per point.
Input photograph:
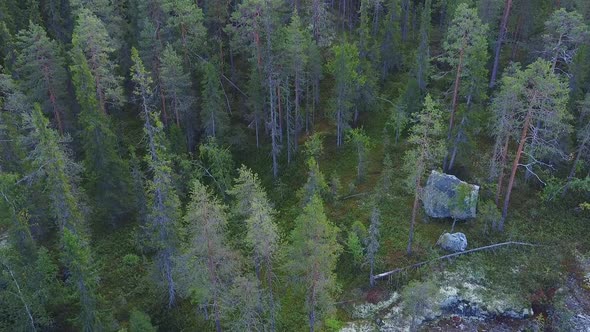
x=362 y=144
x=262 y=235
x=65 y=207
x=26 y=271
x=315 y=185
x=312 y=258
x=214 y=118
x=427 y=150
x=163 y=210
x=210 y=264
x=107 y=175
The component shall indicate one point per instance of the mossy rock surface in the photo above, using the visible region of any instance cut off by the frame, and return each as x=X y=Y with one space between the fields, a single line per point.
x=445 y=196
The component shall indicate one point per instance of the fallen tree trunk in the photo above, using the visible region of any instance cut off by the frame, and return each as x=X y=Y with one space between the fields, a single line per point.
x=354 y=195
x=492 y=246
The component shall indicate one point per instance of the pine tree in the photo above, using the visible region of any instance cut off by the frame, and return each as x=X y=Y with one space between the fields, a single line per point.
x=344 y=68
x=92 y=38
x=176 y=85
x=540 y=111
x=185 y=23
x=501 y=36
x=369 y=57
x=298 y=41
x=254 y=34
x=466 y=52
x=153 y=20
x=111 y=14
x=503 y=107
x=312 y=257
x=57 y=19
x=390 y=42
x=40 y=65
x=321 y=23
x=214 y=119
x=106 y=172
x=163 y=211
x=428 y=149
x=564 y=33
x=423 y=54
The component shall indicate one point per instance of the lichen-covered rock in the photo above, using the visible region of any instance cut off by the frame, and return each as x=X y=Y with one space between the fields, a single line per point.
x=445 y=196
x=452 y=242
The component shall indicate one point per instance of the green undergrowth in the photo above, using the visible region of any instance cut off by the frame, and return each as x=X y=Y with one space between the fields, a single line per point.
x=126 y=276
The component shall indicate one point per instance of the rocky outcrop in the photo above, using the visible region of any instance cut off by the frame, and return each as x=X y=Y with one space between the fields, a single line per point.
x=452 y=242
x=463 y=297
x=445 y=196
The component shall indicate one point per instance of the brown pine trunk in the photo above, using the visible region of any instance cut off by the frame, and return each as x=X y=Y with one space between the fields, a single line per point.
x=456 y=90
x=501 y=36
x=176 y=110
x=53 y=99
x=523 y=136
x=515 y=38
x=454 y=101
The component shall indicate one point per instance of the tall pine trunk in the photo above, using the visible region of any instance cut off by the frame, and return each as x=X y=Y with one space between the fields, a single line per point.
x=455 y=99
x=501 y=36
x=523 y=136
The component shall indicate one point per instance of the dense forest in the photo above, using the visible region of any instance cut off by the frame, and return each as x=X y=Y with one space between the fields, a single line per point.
x=259 y=165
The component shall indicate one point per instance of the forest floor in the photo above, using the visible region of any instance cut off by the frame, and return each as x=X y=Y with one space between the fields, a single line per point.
x=527 y=274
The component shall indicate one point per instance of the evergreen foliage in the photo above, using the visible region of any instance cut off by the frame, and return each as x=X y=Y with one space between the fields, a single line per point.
x=123 y=123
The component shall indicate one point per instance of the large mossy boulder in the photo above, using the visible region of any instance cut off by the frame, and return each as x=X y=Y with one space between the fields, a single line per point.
x=445 y=196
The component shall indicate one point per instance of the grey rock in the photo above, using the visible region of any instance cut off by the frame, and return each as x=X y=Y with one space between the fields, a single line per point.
x=445 y=196
x=452 y=242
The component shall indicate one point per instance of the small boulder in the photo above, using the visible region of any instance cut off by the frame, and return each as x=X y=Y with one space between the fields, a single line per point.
x=452 y=242
x=445 y=196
